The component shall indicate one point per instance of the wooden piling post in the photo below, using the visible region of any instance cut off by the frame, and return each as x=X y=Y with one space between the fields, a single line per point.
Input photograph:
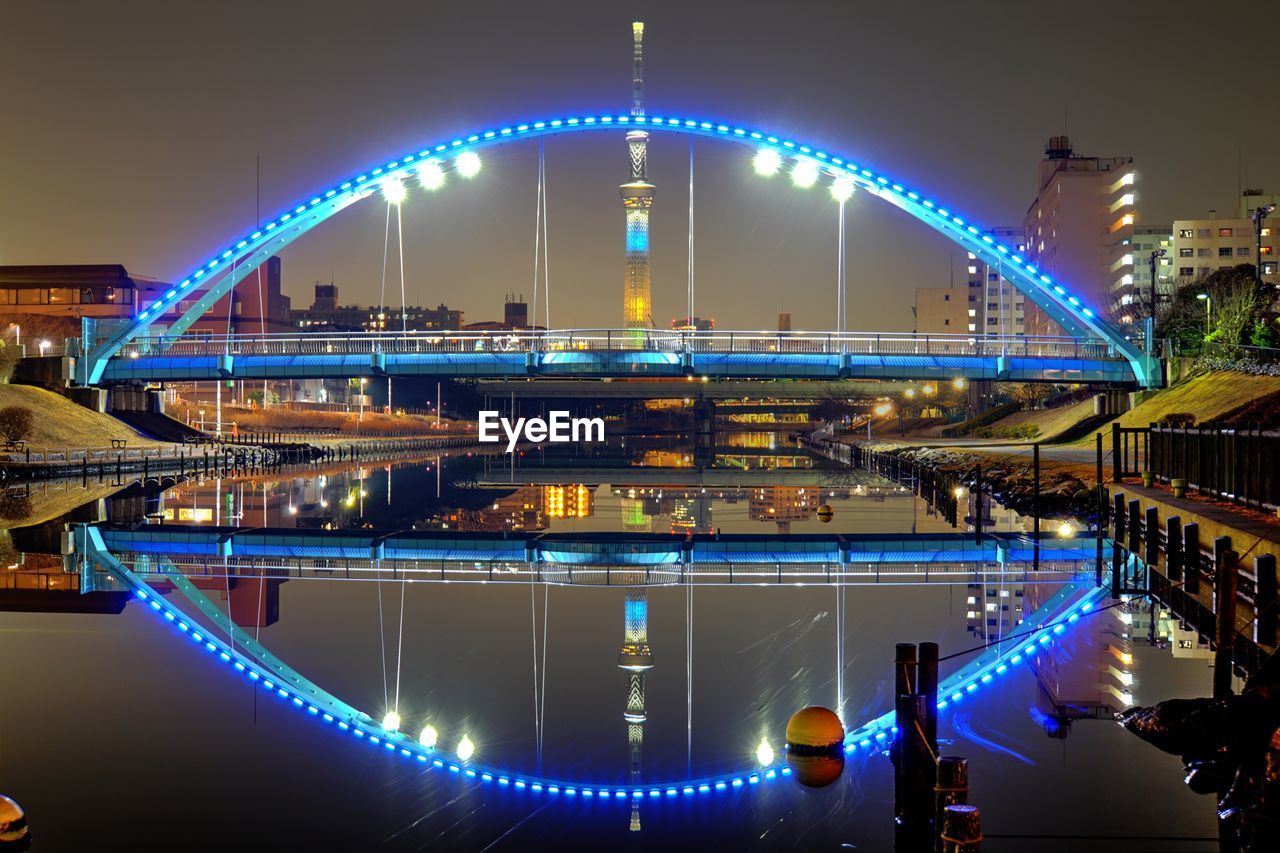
x=1191 y=557
x=1224 y=608
x=916 y=776
x=1134 y=526
x=905 y=675
x=952 y=789
x=1151 y=537
x=1264 y=600
x=1117 y=517
x=961 y=829
x=928 y=687
x=1173 y=548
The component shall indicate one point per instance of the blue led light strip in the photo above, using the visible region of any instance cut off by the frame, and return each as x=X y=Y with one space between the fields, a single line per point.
x=870 y=736
x=241 y=256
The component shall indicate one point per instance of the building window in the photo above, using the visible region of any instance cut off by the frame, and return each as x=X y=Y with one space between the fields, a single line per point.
x=946 y=297
x=1202 y=233
x=1266 y=250
x=946 y=321
x=1243 y=251
x=992 y=321
x=1202 y=253
x=1186 y=271
x=1224 y=232
x=1224 y=251
x=1186 y=253
x=1186 y=233
x=1268 y=267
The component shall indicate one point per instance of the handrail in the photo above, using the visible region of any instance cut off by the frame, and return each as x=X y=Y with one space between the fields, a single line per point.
x=580 y=340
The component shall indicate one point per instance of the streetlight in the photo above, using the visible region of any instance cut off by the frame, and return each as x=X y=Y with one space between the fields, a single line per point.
x=363 y=382
x=883 y=410
x=1154 y=260
x=44 y=345
x=1208 y=303
x=1260 y=213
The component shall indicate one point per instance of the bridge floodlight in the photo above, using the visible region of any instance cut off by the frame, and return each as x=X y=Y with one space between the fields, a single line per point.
x=466 y=748
x=764 y=753
x=767 y=162
x=431 y=174
x=391 y=722
x=804 y=173
x=429 y=736
x=468 y=164
x=842 y=188
x=394 y=190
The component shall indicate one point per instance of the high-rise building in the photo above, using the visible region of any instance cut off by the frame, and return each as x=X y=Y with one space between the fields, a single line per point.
x=1001 y=307
x=1079 y=228
x=635 y=658
x=1134 y=303
x=256 y=305
x=637 y=198
x=1204 y=246
x=945 y=311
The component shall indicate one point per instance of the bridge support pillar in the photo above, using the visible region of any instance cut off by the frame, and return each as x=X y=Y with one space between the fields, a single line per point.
x=379 y=363
x=532 y=362
x=226 y=365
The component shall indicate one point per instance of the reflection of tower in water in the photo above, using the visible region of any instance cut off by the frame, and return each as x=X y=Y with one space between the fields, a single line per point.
x=635 y=659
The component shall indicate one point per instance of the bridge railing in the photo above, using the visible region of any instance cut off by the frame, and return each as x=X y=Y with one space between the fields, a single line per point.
x=613 y=340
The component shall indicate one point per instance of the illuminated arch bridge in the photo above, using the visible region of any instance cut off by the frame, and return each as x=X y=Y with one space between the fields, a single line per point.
x=197 y=620
x=150 y=346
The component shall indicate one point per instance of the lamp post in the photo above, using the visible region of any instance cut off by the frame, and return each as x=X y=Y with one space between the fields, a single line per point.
x=1154 y=260
x=1260 y=213
x=1208 y=303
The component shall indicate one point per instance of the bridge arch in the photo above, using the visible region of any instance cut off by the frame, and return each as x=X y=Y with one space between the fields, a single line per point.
x=224 y=268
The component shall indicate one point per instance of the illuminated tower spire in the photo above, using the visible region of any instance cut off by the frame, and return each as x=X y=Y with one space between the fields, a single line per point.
x=636 y=659
x=637 y=198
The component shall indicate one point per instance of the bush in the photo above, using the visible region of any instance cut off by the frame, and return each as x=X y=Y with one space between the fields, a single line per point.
x=16 y=422
x=1178 y=420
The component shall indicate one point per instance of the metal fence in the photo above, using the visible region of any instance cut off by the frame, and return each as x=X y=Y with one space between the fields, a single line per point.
x=1238 y=465
x=575 y=340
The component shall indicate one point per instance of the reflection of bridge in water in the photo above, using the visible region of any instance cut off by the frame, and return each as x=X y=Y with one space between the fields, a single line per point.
x=161 y=551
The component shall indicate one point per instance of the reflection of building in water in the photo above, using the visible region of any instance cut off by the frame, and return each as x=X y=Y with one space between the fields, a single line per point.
x=993 y=610
x=635 y=518
x=1090 y=674
x=666 y=459
x=783 y=504
x=635 y=658
x=520 y=510
x=691 y=515
x=529 y=507
x=41 y=583
x=574 y=501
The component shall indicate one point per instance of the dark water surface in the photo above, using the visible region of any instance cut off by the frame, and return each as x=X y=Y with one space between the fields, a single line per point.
x=116 y=733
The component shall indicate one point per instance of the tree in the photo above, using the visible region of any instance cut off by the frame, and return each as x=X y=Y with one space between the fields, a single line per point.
x=16 y=423
x=1235 y=303
x=1236 y=314
x=1028 y=394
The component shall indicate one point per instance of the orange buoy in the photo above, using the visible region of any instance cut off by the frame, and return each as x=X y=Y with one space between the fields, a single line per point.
x=815 y=741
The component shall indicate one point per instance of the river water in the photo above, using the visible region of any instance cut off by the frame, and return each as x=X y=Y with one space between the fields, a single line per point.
x=117 y=732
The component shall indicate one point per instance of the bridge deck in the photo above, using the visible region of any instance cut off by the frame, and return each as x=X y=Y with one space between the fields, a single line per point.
x=619 y=353
x=614 y=559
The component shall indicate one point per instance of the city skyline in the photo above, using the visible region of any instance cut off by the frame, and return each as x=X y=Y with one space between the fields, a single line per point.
x=759 y=251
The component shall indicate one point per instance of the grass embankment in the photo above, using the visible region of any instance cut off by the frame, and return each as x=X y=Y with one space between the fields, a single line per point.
x=1212 y=397
x=61 y=423
x=299 y=420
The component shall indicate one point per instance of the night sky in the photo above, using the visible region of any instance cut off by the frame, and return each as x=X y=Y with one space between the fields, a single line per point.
x=130 y=132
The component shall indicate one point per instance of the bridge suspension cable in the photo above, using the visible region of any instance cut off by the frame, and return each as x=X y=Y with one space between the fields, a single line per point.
x=690 y=308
